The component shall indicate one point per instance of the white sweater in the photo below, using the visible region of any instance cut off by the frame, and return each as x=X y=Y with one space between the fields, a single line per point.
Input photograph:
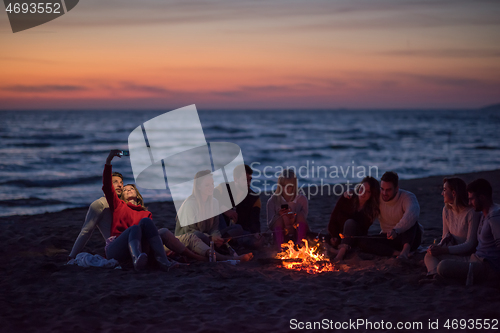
x=193 y=220
x=463 y=227
x=400 y=213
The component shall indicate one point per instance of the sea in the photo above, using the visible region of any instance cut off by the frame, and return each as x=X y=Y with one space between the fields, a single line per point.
x=53 y=160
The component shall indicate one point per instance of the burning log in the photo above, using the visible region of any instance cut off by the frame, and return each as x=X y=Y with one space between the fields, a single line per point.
x=304 y=258
x=359 y=237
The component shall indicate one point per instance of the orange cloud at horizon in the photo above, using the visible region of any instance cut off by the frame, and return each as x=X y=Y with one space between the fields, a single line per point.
x=309 y=58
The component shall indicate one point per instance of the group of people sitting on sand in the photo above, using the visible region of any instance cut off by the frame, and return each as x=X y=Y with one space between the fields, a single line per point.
x=471 y=223
x=471 y=226
x=132 y=237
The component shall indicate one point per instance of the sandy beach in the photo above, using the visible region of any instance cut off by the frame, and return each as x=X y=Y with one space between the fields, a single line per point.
x=39 y=293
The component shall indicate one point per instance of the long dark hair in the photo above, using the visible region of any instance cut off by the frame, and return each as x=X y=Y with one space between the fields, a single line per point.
x=371 y=207
x=458 y=185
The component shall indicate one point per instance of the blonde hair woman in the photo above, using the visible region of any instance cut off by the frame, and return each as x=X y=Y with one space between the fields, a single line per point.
x=460 y=223
x=287 y=210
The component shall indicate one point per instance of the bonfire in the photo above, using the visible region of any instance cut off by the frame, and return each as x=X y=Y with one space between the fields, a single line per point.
x=306 y=258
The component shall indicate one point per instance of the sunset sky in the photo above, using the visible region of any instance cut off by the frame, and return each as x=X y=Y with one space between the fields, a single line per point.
x=284 y=54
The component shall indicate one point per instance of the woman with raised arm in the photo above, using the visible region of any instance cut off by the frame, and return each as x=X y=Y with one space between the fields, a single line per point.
x=198 y=218
x=353 y=217
x=460 y=223
x=287 y=210
x=132 y=230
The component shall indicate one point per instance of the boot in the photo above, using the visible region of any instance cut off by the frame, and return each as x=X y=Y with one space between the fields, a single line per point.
x=157 y=246
x=139 y=258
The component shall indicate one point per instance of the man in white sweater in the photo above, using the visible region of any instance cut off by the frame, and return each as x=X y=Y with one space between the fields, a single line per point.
x=98 y=216
x=399 y=212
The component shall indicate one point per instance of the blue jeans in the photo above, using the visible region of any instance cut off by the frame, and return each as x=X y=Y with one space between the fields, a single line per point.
x=143 y=231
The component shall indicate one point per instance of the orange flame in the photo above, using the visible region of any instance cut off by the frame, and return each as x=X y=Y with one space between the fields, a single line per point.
x=308 y=258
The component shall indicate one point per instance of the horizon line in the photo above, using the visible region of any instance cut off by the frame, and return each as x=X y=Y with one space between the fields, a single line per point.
x=493 y=107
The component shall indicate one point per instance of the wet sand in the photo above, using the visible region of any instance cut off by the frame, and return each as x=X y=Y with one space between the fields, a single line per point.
x=39 y=293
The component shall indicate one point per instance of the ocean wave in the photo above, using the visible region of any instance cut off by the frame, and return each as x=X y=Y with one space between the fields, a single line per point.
x=333 y=146
x=62 y=160
x=485 y=147
x=406 y=133
x=273 y=135
x=415 y=144
x=357 y=146
x=55 y=137
x=218 y=128
x=15 y=167
x=338 y=146
x=87 y=152
x=31 y=144
x=228 y=138
x=61 y=182
x=26 y=135
x=31 y=201
x=317 y=155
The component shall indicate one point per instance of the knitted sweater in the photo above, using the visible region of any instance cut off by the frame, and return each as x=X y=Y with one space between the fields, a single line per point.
x=400 y=213
x=189 y=213
x=463 y=228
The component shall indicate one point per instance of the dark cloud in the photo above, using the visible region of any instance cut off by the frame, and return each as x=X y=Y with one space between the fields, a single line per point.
x=146 y=88
x=229 y=93
x=243 y=91
x=278 y=88
x=286 y=14
x=445 y=53
x=390 y=80
x=445 y=80
x=48 y=88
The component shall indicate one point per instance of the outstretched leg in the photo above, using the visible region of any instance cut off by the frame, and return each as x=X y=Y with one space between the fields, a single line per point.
x=150 y=234
x=172 y=243
x=202 y=249
x=98 y=216
x=351 y=229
